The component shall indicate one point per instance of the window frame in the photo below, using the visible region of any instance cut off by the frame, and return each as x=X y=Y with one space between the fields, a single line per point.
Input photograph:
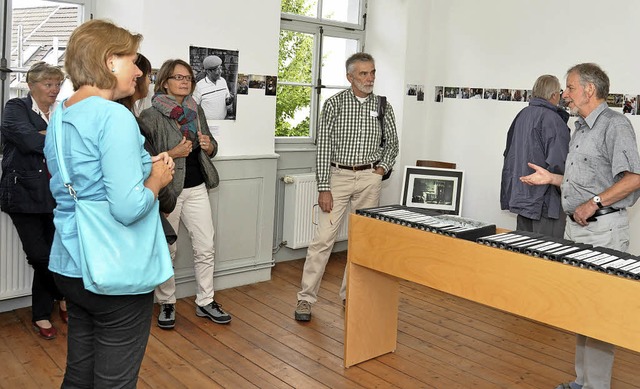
x=319 y=28
x=6 y=16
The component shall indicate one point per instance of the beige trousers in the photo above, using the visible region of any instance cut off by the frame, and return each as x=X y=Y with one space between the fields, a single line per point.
x=360 y=189
x=194 y=209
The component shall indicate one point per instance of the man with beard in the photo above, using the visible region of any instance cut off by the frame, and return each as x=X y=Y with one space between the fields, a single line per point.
x=212 y=92
x=601 y=179
x=352 y=156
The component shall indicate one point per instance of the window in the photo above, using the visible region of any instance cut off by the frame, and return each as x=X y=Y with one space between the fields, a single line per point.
x=35 y=30
x=313 y=50
x=39 y=31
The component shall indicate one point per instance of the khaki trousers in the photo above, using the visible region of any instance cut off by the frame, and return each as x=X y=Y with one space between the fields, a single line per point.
x=360 y=189
x=194 y=209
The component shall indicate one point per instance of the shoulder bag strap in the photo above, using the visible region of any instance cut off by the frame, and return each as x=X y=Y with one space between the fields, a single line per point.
x=54 y=131
x=382 y=105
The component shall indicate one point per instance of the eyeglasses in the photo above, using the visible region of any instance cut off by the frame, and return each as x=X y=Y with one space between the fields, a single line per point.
x=180 y=77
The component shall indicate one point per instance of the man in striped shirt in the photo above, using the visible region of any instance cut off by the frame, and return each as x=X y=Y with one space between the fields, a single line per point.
x=353 y=154
x=212 y=92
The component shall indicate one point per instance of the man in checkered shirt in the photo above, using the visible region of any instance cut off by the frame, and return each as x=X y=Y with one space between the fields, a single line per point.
x=353 y=155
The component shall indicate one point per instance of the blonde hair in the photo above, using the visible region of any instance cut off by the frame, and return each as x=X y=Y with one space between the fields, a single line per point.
x=89 y=47
x=43 y=71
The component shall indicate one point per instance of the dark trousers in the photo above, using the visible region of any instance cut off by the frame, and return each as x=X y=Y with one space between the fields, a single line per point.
x=544 y=226
x=36 y=234
x=107 y=336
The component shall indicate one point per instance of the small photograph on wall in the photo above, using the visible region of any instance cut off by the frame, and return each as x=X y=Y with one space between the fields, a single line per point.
x=257 y=81
x=476 y=93
x=243 y=84
x=216 y=73
x=615 y=100
x=412 y=89
x=271 y=87
x=490 y=94
x=153 y=75
x=630 y=106
x=504 y=94
x=451 y=92
x=519 y=95
x=420 y=93
x=439 y=94
x=465 y=93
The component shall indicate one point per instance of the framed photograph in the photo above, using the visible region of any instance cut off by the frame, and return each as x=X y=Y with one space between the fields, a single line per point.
x=436 y=189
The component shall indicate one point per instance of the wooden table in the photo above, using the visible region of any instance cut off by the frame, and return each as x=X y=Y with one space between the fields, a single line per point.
x=583 y=301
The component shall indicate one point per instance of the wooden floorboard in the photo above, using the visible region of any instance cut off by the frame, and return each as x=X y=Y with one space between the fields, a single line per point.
x=443 y=342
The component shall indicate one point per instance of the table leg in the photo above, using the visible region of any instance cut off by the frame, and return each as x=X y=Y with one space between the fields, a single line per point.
x=371 y=317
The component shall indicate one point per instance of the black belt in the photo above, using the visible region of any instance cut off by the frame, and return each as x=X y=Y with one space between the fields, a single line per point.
x=356 y=168
x=599 y=212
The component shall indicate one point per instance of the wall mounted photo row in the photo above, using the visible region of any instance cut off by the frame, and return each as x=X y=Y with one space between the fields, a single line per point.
x=257 y=81
x=502 y=94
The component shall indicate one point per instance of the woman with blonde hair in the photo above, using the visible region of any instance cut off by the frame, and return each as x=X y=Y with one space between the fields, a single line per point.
x=100 y=143
x=24 y=187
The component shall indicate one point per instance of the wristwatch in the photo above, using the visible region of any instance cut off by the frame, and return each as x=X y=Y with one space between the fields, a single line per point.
x=596 y=200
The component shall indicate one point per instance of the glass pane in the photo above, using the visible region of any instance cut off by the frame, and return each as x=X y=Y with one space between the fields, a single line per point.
x=293 y=110
x=39 y=32
x=295 y=59
x=300 y=7
x=335 y=53
x=341 y=10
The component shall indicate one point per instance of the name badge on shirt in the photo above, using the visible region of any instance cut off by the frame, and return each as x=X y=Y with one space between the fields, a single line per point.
x=373 y=114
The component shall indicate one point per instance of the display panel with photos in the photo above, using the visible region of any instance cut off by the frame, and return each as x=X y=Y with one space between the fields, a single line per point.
x=433 y=188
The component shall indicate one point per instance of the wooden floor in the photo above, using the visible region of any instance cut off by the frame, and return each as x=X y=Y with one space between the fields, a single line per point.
x=443 y=342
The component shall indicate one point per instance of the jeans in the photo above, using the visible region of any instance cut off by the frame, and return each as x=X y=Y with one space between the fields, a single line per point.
x=107 y=336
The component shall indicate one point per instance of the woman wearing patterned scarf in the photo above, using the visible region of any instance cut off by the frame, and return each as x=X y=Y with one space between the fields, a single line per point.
x=178 y=125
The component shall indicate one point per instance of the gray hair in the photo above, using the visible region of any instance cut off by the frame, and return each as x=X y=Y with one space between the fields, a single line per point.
x=357 y=57
x=590 y=73
x=546 y=86
x=43 y=71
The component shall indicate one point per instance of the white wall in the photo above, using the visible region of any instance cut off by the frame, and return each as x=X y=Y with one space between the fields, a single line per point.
x=504 y=43
x=387 y=40
x=250 y=26
x=466 y=43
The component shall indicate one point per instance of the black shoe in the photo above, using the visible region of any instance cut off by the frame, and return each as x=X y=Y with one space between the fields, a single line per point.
x=214 y=312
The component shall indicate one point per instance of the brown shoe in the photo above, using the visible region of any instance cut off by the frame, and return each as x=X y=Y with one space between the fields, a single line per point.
x=303 y=311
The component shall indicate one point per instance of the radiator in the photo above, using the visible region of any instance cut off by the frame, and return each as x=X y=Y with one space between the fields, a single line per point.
x=15 y=272
x=301 y=211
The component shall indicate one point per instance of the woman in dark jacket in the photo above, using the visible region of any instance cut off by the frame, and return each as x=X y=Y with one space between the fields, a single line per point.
x=177 y=125
x=24 y=186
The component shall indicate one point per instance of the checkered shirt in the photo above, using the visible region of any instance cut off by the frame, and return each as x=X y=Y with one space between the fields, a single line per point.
x=349 y=134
